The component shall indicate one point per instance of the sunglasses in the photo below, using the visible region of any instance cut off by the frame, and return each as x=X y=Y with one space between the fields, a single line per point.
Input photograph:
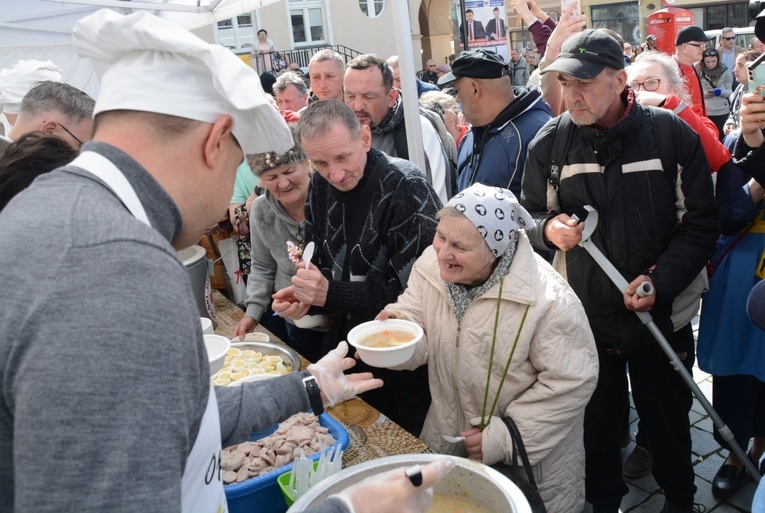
x=729 y=38
x=710 y=53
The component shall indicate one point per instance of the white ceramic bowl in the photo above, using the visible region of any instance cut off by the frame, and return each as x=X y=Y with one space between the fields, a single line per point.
x=207 y=326
x=311 y=321
x=216 y=346
x=385 y=356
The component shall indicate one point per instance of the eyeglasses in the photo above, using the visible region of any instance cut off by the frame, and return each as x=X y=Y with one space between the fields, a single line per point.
x=730 y=38
x=697 y=45
x=652 y=84
x=710 y=53
x=70 y=133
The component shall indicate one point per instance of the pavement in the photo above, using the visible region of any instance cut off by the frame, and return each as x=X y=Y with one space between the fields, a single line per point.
x=645 y=496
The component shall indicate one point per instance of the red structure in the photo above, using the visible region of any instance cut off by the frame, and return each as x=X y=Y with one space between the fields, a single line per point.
x=665 y=25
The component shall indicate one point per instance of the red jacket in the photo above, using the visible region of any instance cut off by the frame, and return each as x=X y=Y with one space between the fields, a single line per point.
x=693 y=84
x=716 y=153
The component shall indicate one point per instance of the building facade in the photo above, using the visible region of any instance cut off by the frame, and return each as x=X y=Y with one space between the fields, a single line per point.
x=367 y=25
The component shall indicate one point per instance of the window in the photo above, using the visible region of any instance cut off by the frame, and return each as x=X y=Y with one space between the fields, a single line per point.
x=244 y=20
x=621 y=18
x=236 y=33
x=371 y=8
x=730 y=15
x=307 y=19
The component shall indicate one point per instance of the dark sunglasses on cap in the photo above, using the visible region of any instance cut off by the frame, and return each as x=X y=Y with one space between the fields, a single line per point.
x=710 y=53
x=730 y=38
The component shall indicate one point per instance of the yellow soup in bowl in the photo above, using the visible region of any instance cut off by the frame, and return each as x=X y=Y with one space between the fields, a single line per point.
x=387 y=338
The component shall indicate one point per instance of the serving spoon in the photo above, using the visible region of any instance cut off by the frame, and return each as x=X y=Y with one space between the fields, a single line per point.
x=453 y=439
x=308 y=253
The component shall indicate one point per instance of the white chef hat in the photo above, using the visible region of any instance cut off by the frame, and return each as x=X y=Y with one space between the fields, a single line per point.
x=495 y=213
x=15 y=82
x=149 y=64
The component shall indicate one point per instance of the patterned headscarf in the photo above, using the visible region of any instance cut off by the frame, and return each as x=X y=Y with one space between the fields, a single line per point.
x=495 y=213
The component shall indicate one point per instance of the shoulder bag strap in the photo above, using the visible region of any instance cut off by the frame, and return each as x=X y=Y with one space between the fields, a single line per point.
x=362 y=210
x=519 y=449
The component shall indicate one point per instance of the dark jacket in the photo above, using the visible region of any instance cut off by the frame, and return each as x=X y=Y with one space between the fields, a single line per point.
x=430 y=78
x=492 y=28
x=495 y=154
x=650 y=220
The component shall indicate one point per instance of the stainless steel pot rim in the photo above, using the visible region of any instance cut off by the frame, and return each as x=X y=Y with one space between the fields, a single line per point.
x=513 y=494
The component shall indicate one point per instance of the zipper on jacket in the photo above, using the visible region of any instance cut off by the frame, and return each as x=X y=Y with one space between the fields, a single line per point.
x=455 y=378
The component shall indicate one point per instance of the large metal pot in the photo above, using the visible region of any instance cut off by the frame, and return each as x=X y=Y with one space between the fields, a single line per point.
x=469 y=480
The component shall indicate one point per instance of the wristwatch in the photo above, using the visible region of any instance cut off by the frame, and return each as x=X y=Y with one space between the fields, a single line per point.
x=314 y=395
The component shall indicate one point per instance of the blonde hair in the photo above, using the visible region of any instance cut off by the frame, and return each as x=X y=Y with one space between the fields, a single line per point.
x=445 y=101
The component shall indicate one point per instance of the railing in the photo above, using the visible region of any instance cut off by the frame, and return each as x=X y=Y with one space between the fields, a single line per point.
x=276 y=61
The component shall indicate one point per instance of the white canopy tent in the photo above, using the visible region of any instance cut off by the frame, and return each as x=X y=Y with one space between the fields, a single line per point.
x=41 y=30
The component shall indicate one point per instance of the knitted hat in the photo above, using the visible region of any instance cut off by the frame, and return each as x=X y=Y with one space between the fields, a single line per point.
x=495 y=213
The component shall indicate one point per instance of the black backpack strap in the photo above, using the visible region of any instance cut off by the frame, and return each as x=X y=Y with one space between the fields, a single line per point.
x=662 y=131
x=559 y=149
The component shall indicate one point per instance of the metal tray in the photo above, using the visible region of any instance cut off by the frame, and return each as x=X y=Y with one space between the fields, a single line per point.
x=287 y=353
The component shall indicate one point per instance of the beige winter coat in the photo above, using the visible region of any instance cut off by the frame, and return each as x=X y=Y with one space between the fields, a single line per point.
x=551 y=378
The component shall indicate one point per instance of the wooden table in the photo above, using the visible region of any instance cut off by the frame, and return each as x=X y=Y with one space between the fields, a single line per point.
x=372 y=434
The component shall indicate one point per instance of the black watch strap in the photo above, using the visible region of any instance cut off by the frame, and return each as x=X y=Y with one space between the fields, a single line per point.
x=314 y=395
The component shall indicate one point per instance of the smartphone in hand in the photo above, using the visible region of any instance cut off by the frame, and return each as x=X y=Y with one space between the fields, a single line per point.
x=756 y=74
x=564 y=4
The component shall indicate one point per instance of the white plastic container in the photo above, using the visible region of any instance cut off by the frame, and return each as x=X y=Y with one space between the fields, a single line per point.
x=217 y=346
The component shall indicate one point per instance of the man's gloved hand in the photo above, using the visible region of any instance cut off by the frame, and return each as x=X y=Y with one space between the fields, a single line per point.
x=335 y=386
x=394 y=492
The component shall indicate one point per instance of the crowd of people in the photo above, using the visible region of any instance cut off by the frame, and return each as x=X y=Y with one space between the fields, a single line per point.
x=482 y=248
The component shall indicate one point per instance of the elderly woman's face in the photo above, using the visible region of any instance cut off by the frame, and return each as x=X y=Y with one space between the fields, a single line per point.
x=288 y=184
x=647 y=73
x=463 y=255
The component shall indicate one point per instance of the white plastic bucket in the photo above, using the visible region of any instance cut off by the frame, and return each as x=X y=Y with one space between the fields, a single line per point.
x=194 y=258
